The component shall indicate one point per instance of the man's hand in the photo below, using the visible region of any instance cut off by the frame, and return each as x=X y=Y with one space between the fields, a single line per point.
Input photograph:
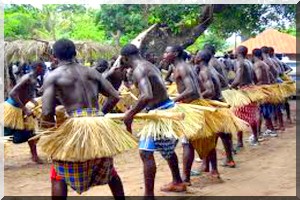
x=27 y=112
x=128 y=121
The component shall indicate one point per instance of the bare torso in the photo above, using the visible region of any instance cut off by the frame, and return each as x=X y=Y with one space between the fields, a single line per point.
x=75 y=87
x=262 y=72
x=207 y=82
x=147 y=71
x=26 y=88
x=244 y=74
x=184 y=71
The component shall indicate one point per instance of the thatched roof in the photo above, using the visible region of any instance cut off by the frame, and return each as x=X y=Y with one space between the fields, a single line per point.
x=24 y=50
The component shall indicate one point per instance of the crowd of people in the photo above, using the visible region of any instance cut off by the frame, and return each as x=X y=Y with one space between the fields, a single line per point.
x=77 y=88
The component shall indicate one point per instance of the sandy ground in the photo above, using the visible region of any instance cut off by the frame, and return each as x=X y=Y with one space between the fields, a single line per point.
x=266 y=170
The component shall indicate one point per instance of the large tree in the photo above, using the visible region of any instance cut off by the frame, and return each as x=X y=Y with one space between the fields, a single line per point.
x=183 y=24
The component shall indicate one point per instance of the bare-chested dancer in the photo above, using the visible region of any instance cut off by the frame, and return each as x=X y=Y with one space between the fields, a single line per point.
x=244 y=78
x=152 y=95
x=283 y=69
x=209 y=92
x=22 y=93
x=264 y=76
x=188 y=88
x=77 y=88
x=217 y=67
x=276 y=71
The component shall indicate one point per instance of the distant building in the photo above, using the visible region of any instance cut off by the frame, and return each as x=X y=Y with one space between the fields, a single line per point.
x=284 y=44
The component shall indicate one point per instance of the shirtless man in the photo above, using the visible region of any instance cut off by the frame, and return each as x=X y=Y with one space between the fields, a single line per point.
x=283 y=69
x=276 y=71
x=244 y=78
x=77 y=88
x=188 y=88
x=209 y=92
x=152 y=95
x=217 y=67
x=264 y=76
x=22 y=93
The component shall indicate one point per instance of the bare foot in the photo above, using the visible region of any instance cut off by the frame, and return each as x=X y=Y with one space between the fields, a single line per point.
x=174 y=187
x=187 y=183
x=230 y=164
x=37 y=160
x=282 y=128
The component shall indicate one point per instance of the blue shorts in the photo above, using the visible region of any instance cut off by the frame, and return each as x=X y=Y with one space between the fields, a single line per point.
x=267 y=110
x=165 y=146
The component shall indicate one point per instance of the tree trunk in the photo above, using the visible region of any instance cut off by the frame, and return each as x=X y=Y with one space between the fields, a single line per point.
x=160 y=37
x=116 y=37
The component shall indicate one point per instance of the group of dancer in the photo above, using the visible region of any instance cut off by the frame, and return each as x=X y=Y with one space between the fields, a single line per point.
x=84 y=140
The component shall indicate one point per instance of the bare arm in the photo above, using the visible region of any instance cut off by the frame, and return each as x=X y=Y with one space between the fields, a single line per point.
x=14 y=93
x=106 y=87
x=146 y=94
x=170 y=71
x=201 y=82
x=257 y=73
x=187 y=84
x=238 y=76
x=48 y=104
x=207 y=91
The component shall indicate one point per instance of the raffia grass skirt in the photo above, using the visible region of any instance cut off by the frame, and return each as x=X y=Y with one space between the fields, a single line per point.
x=14 y=119
x=191 y=127
x=85 y=138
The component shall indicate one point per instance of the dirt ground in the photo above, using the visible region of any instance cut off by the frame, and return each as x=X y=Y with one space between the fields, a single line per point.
x=266 y=170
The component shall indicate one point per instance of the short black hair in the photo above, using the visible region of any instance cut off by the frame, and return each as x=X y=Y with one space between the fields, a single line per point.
x=265 y=49
x=271 y=50
x=129 y=50
x=64 y=49
x=102 y=65
x=257 y=53
x=242 y=50
x=210 y=48
x=204 y=55
x=179 y=50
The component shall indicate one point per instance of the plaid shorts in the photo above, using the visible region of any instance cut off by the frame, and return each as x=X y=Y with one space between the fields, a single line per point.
x=83 y=175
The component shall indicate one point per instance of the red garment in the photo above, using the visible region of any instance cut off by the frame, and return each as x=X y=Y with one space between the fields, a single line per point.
x=248 y=113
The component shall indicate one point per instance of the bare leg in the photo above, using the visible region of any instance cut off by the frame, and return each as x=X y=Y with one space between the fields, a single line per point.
x=226 y=139
x=173 y=164
x=259 y=125
x=59 y=190
x=280 y=119
x=288 y=111
x=254 y=131
x=214 y=164
x=32 y=146
x=188 y=158
x=177 y=185
x=149 y=171
x=116 y=187
x=269 y=124
x=240 y=139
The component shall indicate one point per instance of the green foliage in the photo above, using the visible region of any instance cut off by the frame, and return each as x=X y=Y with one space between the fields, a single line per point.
x=209 y=38
x=77 y=22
